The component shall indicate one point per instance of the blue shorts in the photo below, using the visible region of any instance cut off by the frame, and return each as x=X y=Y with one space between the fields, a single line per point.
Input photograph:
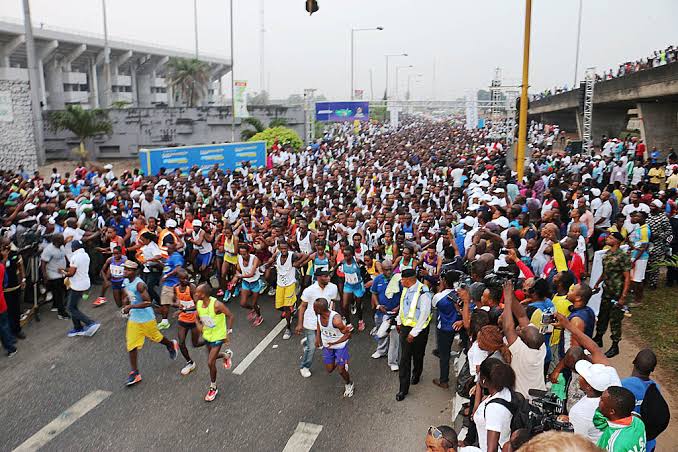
x=254 y=286
x=356 y=289
x=215 y=343
x=338 y=356
x=203 y=260
x=117 y=285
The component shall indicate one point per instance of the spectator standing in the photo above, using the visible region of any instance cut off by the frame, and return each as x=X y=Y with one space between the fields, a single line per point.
x=78 y=274
x=6 y=337
x=52 y=264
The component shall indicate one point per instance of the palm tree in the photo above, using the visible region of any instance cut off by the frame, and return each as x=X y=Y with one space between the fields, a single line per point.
x=257 y=125
x=189 y=78
x=84 y=124
x=277 y=122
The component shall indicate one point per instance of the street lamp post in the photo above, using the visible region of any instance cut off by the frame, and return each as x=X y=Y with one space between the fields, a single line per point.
x=576 y=58
x=398 y=68
x=409 y=81
x=232 y=78
x=387 y=57
x=353 y=30
x=522 y=125
x=195 y=26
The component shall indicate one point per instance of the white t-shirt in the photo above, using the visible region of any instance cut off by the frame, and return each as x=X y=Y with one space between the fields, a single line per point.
x=581 y=418
x=475 y=357
x=150 y=251
x=76 y=234
x=310 y=295
x=528 y=365
x=80 y=280
x=495 y=417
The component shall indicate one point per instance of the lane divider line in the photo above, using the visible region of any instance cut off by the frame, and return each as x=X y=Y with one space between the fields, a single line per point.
x=261 y=346
x=303 y=437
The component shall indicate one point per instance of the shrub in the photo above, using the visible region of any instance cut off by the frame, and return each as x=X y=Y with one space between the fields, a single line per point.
x=284 y=135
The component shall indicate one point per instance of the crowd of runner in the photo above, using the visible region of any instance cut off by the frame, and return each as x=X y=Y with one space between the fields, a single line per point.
x=371 y=231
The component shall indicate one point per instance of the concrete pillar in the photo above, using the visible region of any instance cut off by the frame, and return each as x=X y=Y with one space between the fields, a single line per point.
x=133 y=77
x=43 y=54
x=55 y=85
x=659 y=125
x=9 y=48
x=94 y=85
x=68 y=59
x=610 y=121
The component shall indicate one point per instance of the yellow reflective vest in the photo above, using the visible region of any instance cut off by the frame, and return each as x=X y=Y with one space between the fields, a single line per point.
x=410 y=318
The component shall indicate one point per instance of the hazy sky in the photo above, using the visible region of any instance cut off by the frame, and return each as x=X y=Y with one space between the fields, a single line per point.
x=466 y=39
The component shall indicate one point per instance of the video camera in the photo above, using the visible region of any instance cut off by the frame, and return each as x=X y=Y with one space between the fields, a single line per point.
x=498 y=278
x=545 y=415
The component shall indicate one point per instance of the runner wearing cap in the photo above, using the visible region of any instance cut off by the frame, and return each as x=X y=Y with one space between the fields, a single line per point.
x=201 y=240
x=141 y=323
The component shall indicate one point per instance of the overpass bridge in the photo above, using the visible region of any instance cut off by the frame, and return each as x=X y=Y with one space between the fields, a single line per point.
x=646 y=100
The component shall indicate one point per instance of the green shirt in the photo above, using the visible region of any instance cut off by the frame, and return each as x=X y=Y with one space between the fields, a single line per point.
x=615 y=263
x=619 y=437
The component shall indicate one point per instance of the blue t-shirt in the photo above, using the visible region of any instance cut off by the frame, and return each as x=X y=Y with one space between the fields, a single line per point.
x=134 y=296
x=174 y=261
x=639 y=387
x=120 y=227
x=379 y=289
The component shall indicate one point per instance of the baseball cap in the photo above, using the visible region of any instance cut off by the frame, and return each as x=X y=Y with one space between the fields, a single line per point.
x=321 y=272
x=171 y=223
x=599 y=376
x=130 y=264
x=76 y=245
x=657 y=203
x=30 y=206
x=468 y=221
x=197 y=223
x=71 y=205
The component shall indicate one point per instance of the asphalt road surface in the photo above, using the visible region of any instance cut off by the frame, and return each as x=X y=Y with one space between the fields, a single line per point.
x=61 y=393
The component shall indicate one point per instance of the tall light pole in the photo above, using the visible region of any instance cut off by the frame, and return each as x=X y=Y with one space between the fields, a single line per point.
x=232 y=77
x=195 y=26
x=34 y=84
x=576 y=58
x=398 y=68
x=353 y=30
x=107 y=61
x=409 y=80
x=522 y=126
x=387 y=57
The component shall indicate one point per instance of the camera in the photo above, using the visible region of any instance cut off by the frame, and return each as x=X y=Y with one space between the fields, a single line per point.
x=498 y=278
x=545 y=415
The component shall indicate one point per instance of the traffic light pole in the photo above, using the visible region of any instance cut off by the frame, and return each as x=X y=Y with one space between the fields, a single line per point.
x=522 y=127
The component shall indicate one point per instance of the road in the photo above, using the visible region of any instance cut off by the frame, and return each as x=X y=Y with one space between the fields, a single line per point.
x=69 y=394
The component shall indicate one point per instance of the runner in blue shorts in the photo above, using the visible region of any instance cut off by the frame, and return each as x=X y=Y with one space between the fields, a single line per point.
x=248 y=271
x=353 y=282
x=333 y=334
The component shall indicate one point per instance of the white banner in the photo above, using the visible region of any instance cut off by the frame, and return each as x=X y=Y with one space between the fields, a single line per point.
x=6 y=111
x=240 y=100
x=471 y=110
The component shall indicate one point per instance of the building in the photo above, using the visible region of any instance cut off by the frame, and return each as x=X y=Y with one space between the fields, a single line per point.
x=72 y=67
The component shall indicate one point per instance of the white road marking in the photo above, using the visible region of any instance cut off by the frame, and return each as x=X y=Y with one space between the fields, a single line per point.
x=261 y=346
x=303 y=438
x=63 y=421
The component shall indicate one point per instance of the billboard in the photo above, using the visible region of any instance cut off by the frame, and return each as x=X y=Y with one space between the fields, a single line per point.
x=342 y=111
x=226 y=155
x=240 y=100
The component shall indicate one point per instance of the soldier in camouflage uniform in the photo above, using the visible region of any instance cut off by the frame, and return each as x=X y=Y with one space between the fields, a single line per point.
x=617 y=278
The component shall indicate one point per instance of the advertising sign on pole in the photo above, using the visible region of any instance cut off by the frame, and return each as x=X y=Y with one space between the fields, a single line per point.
x=228 y=156
x=240 y=100
x=342 y=111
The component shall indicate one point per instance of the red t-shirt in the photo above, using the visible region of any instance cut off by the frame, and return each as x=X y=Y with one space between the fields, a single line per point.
x=3 y=303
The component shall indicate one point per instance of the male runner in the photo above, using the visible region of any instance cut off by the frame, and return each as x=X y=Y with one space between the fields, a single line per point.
x=211 y=323
x=334 y=336
x=174 y=263
x=141 y=323
x=286 y=263
x=184 y=294
x=248 y=270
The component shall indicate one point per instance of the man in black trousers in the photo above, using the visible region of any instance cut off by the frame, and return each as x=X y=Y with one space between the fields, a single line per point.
x=412 y=320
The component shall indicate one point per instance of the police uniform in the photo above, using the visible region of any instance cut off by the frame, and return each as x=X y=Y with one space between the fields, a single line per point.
x=615 y=263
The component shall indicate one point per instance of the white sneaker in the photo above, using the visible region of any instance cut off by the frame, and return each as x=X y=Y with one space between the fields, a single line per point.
x=376 y=355
x=348 y=391
x=305 y=372
x=287 y=334
x=394 y=367
x=163 y=324
x=303 y=341
x=188 y=368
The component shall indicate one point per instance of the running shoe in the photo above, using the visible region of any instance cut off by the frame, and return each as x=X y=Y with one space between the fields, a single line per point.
x=354 y=307
x=271 y=291
x=258 y=321
x=75 y=332
x=376 y=355
x=211 y=394
x=99 y=302
x=11 y=354
x=63 y=317
x=348 y=390
x=92 y=329
x=361 y=325
x=188 y=368
x=133 y=378
x=172 y=349
x=305 y=372
x=163 y=324
x=54 y=310
x=251 y=315
x=287 y=334
x=226 y=356
x=394 y=367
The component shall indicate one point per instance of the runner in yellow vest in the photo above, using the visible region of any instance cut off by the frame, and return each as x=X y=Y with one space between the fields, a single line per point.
x=211 y=321
x=412 y=323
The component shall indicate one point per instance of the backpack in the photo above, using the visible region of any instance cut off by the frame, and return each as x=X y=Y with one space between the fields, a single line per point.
x=465 y=381
x=520 y=409
x=654 y=411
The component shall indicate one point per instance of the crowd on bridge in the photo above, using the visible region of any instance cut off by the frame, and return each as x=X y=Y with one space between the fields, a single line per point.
x=397 y=233
x=657 y=58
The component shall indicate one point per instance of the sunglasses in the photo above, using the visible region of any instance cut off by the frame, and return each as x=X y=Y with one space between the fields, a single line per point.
x=434 y=432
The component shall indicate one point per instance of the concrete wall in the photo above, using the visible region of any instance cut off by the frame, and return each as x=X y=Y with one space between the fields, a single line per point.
x=17 y=141
x=135 y=128
x=659 y=125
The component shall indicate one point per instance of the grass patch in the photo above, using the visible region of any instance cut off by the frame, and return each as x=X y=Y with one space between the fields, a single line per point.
x=656 y=324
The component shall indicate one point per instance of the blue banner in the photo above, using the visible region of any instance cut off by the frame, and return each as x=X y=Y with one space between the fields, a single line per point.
x=226 y=155
x=342 y=111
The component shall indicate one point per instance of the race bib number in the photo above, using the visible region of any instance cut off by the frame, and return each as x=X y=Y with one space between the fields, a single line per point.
x=117 y=271
x=188 y=305
x=208 y=322
x=352 y=278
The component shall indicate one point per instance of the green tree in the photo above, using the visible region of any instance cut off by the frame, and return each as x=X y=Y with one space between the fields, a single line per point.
x=277 y=122
x=257 y=127
x=189 y=78
x=283 y=135
x=121 y=104
x=84 y=124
